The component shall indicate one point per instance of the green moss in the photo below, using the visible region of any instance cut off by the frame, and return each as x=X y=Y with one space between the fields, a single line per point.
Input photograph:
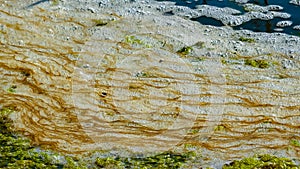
x=263 y=64
x=16 y=152
x=223 y=61
x=146 y=74
x=134 y=40
x=55 y=2
x=193 y=131
x=185 y=50
x=73 y=164
x=5 y=121
x=142 y=74
x=295 y=142
x=249 y=40
x=165 y=160
x=12 y=89
x=109 y=162
x=262 y=162
x=231 y=62
x=220 y=128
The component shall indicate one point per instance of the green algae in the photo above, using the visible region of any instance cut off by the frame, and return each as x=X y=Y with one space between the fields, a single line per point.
x=244 y=39
x=185 y=50
x=133 y=40
x=16 y=151
x=220 y=128
x=295 y=143
x=12 y=89
x=262 y=64
x=55 y=2
x=5 y=121
x=262 y=162
x=164 y=160
x=108 y=162
x=231 y=61
x=143 y=74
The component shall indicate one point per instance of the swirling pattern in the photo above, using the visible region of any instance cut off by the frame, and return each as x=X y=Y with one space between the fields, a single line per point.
x=67 y=80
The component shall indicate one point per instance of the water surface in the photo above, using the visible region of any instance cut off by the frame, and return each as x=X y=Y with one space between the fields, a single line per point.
x=254 y=25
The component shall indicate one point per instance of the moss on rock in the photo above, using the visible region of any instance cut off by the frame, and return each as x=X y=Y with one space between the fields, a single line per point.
x=185 y=50
x=15 y=151
x=262 y=162
x=263 y=64
x=165 y=160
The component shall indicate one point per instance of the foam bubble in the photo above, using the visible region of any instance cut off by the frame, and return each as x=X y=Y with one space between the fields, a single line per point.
x=284 y=23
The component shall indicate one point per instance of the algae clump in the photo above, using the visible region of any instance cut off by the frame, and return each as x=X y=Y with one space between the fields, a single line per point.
x=262 y=162
x=136 y=41
x=163 y=161
x=15 y=151
x=185 y=50
x=263 y=64
x=249 y=40
x=295 y=143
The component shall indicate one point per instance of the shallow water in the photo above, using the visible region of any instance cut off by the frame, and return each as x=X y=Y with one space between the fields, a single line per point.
x=254 y=25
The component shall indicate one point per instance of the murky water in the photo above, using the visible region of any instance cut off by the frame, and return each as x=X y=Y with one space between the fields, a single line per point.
x=78 y=87
x=254 y=25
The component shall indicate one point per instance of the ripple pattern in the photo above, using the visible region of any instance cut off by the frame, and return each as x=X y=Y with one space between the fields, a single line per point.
x=79 y=87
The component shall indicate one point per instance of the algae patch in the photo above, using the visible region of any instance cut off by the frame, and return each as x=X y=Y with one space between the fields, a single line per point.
x=12 y=89
x=17 y=152
x=185 y=50
x=295 y=143
x=133 y=40
x=262 y=64
x=262 y=162
x=164 y=160
x=244 y=39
